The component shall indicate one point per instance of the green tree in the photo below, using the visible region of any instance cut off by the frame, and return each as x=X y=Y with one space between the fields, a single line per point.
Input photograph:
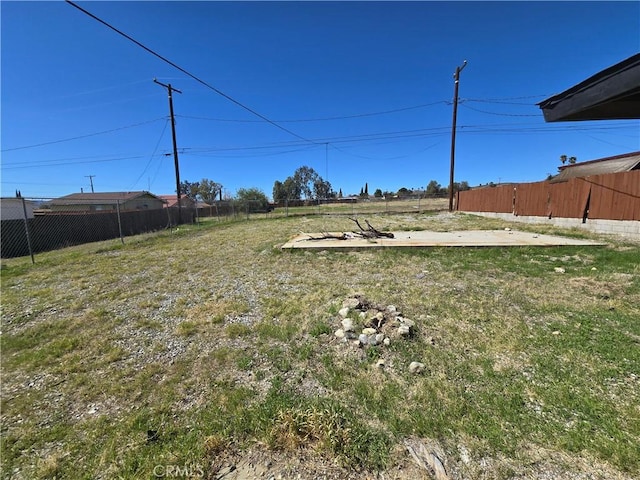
x=404 y=192
x=287 y=190
x=252 y=200
x=322 y=188
x=433 y=188
x=278 y=192
x=377 y=193
x=189 y=189
x=366 y=189
x=208 y=191
x=306 y=182
x=304 y=178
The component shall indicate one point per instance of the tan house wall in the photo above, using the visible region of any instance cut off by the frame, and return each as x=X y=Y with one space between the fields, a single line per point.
x=146 y=202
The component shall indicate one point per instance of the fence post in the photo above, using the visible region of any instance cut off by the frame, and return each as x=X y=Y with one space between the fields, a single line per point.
x=119 y=221
x=26 y=228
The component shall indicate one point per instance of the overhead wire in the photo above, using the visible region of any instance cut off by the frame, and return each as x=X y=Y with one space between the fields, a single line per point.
x=45 y=165
x=401 y=135
x=104 y=89
x=322 y=119
x=500 y=114
x=254 y=155
x=199 y=80
x=164 y=128
x=81 y=136
x=434 y=131
x=399 y=157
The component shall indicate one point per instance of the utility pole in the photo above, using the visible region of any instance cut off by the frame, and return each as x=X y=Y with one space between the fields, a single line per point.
x=90 y=177
x=326 y=160
x=456 y=76
x=175 y=147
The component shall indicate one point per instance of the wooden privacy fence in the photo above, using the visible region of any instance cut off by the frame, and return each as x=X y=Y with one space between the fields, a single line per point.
x=614 y=196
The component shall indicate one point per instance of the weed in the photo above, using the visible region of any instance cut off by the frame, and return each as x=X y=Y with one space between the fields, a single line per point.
x=100 y=345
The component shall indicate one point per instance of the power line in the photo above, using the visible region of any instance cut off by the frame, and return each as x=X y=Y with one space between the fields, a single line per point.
x=385 y=158
x=174 y=65
x=164 y=128
x=81 y=136
x=372 y=114
x=37 y=162
x=492 y=128
x=435 y=131
x=303 y=148
x=497 y=102
x=504 y=99
x=342 y=117
x=501 y=114
x=45 y=165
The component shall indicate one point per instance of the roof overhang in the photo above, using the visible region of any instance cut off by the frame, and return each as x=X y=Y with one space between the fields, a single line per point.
x=612 y=94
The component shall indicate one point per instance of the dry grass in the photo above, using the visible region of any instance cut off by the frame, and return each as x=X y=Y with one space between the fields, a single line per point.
x=216 y=339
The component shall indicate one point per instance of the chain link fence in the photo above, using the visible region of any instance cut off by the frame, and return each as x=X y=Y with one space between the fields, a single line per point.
x=347 y=206
x=33 y=225
x=362 y=206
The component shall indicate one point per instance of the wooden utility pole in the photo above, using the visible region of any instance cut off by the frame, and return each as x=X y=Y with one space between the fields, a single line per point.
x=90 y=177
x=456 y=76
x=170 y=89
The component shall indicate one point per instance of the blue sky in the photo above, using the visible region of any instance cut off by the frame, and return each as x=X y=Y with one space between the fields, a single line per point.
x=360 y=91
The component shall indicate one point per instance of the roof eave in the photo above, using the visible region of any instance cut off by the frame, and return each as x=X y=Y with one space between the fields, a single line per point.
x=613 y=93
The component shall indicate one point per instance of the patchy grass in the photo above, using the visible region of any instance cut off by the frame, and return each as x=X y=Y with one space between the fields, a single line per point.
x=215 y=340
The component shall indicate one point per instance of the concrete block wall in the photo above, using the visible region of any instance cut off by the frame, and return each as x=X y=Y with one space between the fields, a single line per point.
x=626 y=228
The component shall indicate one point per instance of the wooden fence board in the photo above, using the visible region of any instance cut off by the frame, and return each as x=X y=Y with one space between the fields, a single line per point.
x=615 y=196
x=612 y=196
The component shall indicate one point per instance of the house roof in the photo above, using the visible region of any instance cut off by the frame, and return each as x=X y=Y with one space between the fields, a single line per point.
x=99 y=198
x=612 y=94
x=617 y=164
x=172 y=200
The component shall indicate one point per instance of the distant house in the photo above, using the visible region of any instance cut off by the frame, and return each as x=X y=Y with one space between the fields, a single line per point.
x=172 y=201
x=11 y=208
x=618 y=164
x=105 y=201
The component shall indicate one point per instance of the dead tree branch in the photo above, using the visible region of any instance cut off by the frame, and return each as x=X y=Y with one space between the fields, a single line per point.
x=328 y=236
x=370 y=232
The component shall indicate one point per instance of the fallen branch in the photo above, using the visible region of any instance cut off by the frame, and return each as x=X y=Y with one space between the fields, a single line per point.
x=370 y=232
x=329 y=236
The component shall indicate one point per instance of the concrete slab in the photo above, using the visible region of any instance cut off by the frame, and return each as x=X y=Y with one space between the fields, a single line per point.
x=465 y=238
